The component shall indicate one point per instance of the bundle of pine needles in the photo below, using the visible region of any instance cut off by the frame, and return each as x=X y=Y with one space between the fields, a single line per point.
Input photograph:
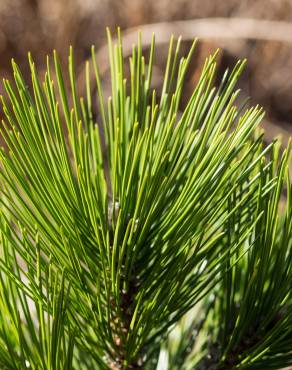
x=141 y=237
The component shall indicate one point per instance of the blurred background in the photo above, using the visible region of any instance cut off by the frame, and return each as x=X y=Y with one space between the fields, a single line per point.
x=260 y=30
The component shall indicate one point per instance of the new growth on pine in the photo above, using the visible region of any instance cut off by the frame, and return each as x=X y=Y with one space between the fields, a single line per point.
x=138 y=233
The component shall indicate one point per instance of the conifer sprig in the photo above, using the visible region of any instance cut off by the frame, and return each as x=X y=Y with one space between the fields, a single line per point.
x=120 y=214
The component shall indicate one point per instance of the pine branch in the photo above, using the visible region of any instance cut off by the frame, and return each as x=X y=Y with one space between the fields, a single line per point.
x=114 y=230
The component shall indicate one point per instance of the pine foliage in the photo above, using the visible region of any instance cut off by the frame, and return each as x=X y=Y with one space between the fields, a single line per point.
x=136 y=234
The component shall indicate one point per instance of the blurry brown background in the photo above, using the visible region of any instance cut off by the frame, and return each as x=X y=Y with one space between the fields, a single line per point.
x=40 y=26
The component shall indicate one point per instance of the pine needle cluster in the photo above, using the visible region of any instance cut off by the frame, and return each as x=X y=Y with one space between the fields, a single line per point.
x=136 y=234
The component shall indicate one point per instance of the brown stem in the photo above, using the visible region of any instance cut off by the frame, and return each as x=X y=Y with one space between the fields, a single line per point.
x=121 y=327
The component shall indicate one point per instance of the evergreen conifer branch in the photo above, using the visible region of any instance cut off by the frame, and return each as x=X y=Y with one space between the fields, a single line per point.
x=113 y=231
